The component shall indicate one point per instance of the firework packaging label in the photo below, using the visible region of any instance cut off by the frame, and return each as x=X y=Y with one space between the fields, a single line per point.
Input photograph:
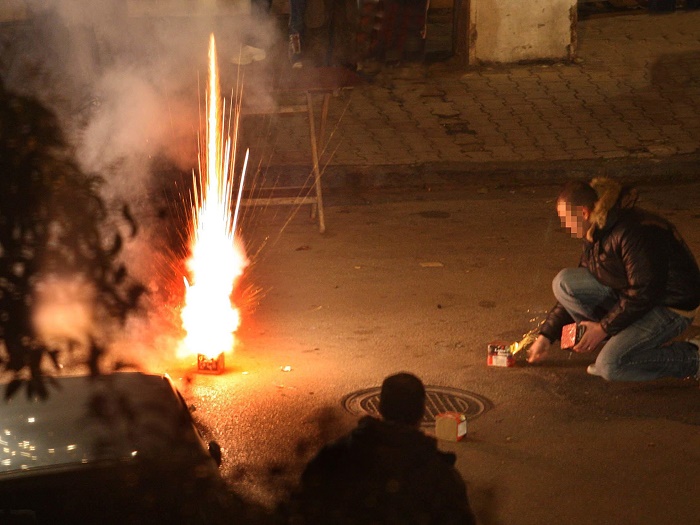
x=570 y=335
x=450 y=426
x=500 y=353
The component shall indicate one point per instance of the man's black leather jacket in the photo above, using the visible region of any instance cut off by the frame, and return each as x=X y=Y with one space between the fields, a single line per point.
x=638 y=254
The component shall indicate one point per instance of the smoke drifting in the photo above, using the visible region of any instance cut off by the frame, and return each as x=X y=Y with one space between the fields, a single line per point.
x=123 y=75
x=125 y=78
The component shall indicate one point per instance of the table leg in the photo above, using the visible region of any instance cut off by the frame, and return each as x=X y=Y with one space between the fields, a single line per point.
x=314 y=158
x=324 y=118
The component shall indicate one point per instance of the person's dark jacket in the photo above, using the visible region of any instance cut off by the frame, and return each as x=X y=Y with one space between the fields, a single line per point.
x=638 y=254
x=382 y=473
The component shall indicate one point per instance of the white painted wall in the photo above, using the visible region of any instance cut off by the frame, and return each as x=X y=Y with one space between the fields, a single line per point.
x=520 y=30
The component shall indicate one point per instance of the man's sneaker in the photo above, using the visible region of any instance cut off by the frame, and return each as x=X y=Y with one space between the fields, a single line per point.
x=591 y=370
x=295 y=50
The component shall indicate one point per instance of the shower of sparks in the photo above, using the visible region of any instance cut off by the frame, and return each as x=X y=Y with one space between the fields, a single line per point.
x=217 y=259
x=526 y=341
x=529 y=337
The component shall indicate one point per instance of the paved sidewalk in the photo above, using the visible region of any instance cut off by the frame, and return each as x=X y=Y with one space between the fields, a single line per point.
x=630 y=103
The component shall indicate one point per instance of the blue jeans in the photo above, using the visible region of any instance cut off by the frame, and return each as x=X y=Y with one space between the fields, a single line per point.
x=636 y=353
x=297 y=8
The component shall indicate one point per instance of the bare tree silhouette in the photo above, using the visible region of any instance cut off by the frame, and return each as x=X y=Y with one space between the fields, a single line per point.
x=53 y=222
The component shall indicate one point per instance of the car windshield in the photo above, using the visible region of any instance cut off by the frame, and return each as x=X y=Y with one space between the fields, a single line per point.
x=86 y=419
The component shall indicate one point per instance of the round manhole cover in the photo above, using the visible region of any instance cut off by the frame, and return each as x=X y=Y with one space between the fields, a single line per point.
x=438 y=399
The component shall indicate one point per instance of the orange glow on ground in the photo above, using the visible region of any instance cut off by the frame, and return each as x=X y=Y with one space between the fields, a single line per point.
x=217 y=259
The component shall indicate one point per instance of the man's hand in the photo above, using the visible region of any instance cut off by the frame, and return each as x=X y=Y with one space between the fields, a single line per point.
x=539 y=349
x=592 y=337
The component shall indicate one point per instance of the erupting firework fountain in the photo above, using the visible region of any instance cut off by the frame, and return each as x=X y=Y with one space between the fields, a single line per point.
x=217 y=256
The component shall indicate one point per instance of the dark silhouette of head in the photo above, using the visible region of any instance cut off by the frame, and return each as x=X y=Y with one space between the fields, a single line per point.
x=402 y=399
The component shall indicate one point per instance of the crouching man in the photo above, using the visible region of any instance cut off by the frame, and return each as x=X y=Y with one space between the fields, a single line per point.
x=636 y=288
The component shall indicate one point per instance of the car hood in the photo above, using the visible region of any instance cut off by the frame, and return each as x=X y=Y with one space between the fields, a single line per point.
x=118 y=417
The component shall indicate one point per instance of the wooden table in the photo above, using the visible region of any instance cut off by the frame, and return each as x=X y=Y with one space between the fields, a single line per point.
x=307 y=82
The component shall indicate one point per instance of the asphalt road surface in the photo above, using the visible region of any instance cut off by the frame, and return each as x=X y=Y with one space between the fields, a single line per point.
x=422 y=282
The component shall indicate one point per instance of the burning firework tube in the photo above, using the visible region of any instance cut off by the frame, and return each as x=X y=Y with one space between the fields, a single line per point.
x=502 y=353
x=450 y=426
x=217 y=258
x=211 y=365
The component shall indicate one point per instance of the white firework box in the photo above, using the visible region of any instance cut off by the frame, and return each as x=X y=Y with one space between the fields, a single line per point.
x=450 y=426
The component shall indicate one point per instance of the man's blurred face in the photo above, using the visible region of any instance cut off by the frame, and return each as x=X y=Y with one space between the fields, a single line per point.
x=574 y=218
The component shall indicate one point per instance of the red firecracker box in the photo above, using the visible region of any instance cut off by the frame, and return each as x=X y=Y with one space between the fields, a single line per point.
x=450 y=426
x=570 y=335
x=500 y=353
x=210 y=365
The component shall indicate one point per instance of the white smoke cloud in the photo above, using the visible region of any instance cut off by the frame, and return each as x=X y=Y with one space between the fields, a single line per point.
x=135 y=120
x=63 y=310
x=124 y=77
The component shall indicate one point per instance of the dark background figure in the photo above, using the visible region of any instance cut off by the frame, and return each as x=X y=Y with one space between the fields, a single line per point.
x=392 y=31
x=339 y=33
x=297 y=10
x=369 y=27
x=403 y=33
x=262 y=6
x=385 y=471
x=324 y=32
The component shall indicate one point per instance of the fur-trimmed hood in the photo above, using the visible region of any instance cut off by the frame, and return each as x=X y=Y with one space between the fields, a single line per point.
x=612 y=197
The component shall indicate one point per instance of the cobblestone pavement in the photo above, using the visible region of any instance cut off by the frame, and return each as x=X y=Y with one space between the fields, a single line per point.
x=629 y=104
x=633 y=93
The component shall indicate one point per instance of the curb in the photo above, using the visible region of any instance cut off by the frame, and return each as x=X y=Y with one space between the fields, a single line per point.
x=640 y=171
